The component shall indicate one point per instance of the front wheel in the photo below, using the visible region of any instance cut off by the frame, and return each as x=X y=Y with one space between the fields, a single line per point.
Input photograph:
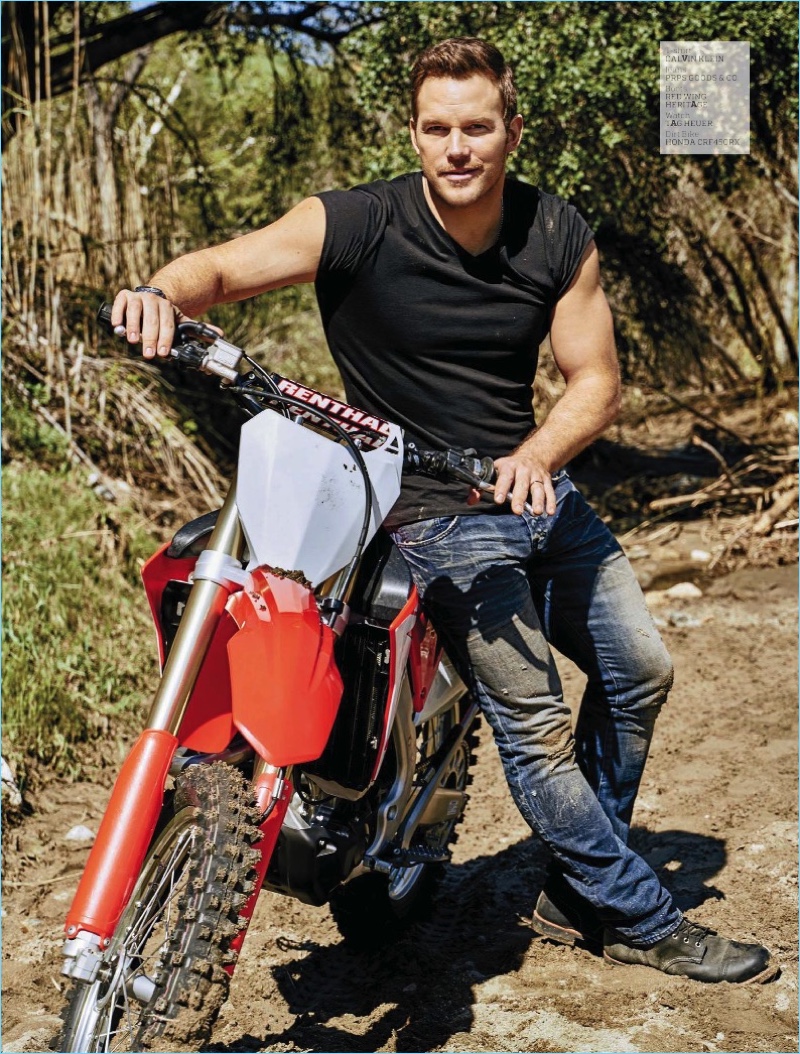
x=162 y=980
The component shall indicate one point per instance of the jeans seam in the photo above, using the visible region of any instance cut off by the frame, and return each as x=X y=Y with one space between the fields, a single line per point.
x=523 y=794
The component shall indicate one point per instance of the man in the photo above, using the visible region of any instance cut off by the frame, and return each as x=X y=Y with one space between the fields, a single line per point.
x=435 y=291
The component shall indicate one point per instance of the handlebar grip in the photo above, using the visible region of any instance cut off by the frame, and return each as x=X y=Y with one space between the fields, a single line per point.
x=454 y=465
x=183 y=331
x=104 y=322
x=194 y=344
x=104 y=318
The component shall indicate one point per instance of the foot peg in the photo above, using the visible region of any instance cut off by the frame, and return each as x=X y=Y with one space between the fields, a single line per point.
x=419 y=854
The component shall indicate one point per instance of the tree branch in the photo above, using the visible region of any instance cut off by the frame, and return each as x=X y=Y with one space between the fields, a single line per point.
x=123 y=87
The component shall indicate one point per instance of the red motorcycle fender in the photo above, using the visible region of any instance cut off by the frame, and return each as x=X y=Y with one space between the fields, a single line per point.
x=124 y=836
x=285 y=684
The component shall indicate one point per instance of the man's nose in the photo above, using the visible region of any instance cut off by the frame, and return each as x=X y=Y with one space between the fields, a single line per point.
x=457 y=145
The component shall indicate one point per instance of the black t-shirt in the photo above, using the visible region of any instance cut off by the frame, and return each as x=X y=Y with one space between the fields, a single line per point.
x=441 y=342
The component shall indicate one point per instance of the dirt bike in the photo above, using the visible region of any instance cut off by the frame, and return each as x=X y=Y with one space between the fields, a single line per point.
x=308 y=735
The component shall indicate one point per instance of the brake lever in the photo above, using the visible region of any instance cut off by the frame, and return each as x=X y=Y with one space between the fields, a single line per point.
x=488 y=489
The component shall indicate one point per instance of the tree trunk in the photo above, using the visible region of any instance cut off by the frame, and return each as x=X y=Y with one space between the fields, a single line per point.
x=103 y=113
x=105 y=177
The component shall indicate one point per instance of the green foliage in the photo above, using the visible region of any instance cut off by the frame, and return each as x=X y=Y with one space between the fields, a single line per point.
x=249 y=131
x=588 y=80
x=31 y=438
x=587 y=75
x=78 y=655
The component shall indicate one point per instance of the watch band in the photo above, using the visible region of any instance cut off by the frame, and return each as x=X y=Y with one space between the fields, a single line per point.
x=151 y=289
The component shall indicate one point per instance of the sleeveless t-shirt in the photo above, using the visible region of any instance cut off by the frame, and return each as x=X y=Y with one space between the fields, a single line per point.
x=441 y=342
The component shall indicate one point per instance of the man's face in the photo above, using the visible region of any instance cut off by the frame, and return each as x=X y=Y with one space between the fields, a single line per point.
x=460 y=138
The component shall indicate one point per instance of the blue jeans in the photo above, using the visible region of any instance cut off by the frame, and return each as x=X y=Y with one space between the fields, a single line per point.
x=500 y=589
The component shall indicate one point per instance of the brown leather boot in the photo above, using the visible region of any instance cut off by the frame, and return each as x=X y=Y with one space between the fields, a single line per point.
x=571 y=920
x=696 y=952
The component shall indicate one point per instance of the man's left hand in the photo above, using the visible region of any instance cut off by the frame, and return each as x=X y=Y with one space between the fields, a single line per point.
x=523 y=478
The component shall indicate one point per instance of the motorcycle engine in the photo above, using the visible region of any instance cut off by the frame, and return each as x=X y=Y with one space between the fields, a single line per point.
x=319 y=845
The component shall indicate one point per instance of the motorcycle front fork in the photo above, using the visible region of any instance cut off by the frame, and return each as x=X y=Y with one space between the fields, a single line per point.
x=130 y=820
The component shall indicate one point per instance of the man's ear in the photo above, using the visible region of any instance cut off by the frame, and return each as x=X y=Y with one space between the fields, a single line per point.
x=514 y=133
x=412 y=128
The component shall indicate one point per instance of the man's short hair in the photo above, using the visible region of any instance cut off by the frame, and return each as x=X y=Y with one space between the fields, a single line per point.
x=460 y=58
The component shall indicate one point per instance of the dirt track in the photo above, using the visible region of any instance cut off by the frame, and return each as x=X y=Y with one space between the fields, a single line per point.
x=716 y=817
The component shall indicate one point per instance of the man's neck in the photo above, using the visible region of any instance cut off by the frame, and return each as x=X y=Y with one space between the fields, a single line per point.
x=476 y=227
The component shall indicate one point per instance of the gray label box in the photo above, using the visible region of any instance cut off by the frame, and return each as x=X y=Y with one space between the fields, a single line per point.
x=705 y=96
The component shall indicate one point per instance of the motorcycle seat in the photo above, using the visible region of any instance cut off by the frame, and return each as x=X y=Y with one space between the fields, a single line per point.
x=191 y=538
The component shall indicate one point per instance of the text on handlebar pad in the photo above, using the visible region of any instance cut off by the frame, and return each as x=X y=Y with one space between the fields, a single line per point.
x=372 y=430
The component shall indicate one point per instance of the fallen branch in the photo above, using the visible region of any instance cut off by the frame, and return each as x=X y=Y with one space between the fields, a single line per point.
x=699 y=497
x=704 y=417
x=779 y=507
x=723 y=464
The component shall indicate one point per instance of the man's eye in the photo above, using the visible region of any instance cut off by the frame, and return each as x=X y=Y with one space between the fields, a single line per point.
x=436 y=129
x=478 y=129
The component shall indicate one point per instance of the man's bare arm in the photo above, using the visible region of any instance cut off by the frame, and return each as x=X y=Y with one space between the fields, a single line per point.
x=582 y=339
x=286 y=252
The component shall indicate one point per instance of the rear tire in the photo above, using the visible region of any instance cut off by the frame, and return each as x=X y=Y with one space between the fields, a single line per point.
x=375 y=910
x=162 y=982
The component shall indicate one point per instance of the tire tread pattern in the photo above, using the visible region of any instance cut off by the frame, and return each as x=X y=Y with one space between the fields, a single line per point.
x=192 y=984
x=191 y=994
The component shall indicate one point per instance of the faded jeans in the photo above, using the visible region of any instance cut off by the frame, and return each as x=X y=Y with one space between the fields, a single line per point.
x=500 y=589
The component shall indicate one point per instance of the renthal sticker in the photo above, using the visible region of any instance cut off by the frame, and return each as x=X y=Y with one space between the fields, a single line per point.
x=350 y=417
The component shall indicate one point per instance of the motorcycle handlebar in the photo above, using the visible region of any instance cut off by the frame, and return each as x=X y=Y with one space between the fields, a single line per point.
x=195 y=345
x=463 y=466
x=199 y=347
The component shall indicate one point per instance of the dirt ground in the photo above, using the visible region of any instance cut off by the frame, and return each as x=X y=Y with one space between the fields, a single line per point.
x=716 y=817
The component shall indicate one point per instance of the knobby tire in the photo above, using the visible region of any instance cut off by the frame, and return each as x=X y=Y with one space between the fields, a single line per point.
x=174 y=938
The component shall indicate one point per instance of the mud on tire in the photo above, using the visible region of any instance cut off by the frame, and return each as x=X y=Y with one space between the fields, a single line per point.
x=162 y=981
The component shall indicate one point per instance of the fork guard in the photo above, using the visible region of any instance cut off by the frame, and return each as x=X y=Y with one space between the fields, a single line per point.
x=285 y=685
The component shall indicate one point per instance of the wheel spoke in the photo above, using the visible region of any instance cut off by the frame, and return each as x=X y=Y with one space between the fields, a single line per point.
x=156 y=902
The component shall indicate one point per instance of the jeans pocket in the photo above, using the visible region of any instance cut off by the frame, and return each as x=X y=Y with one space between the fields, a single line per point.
x=424 y=532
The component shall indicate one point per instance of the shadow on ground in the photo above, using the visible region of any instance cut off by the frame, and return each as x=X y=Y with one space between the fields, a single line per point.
x=424 y=984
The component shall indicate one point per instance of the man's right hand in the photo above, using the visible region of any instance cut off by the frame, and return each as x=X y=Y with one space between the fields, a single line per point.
x=147 y=318
x=284 y=253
